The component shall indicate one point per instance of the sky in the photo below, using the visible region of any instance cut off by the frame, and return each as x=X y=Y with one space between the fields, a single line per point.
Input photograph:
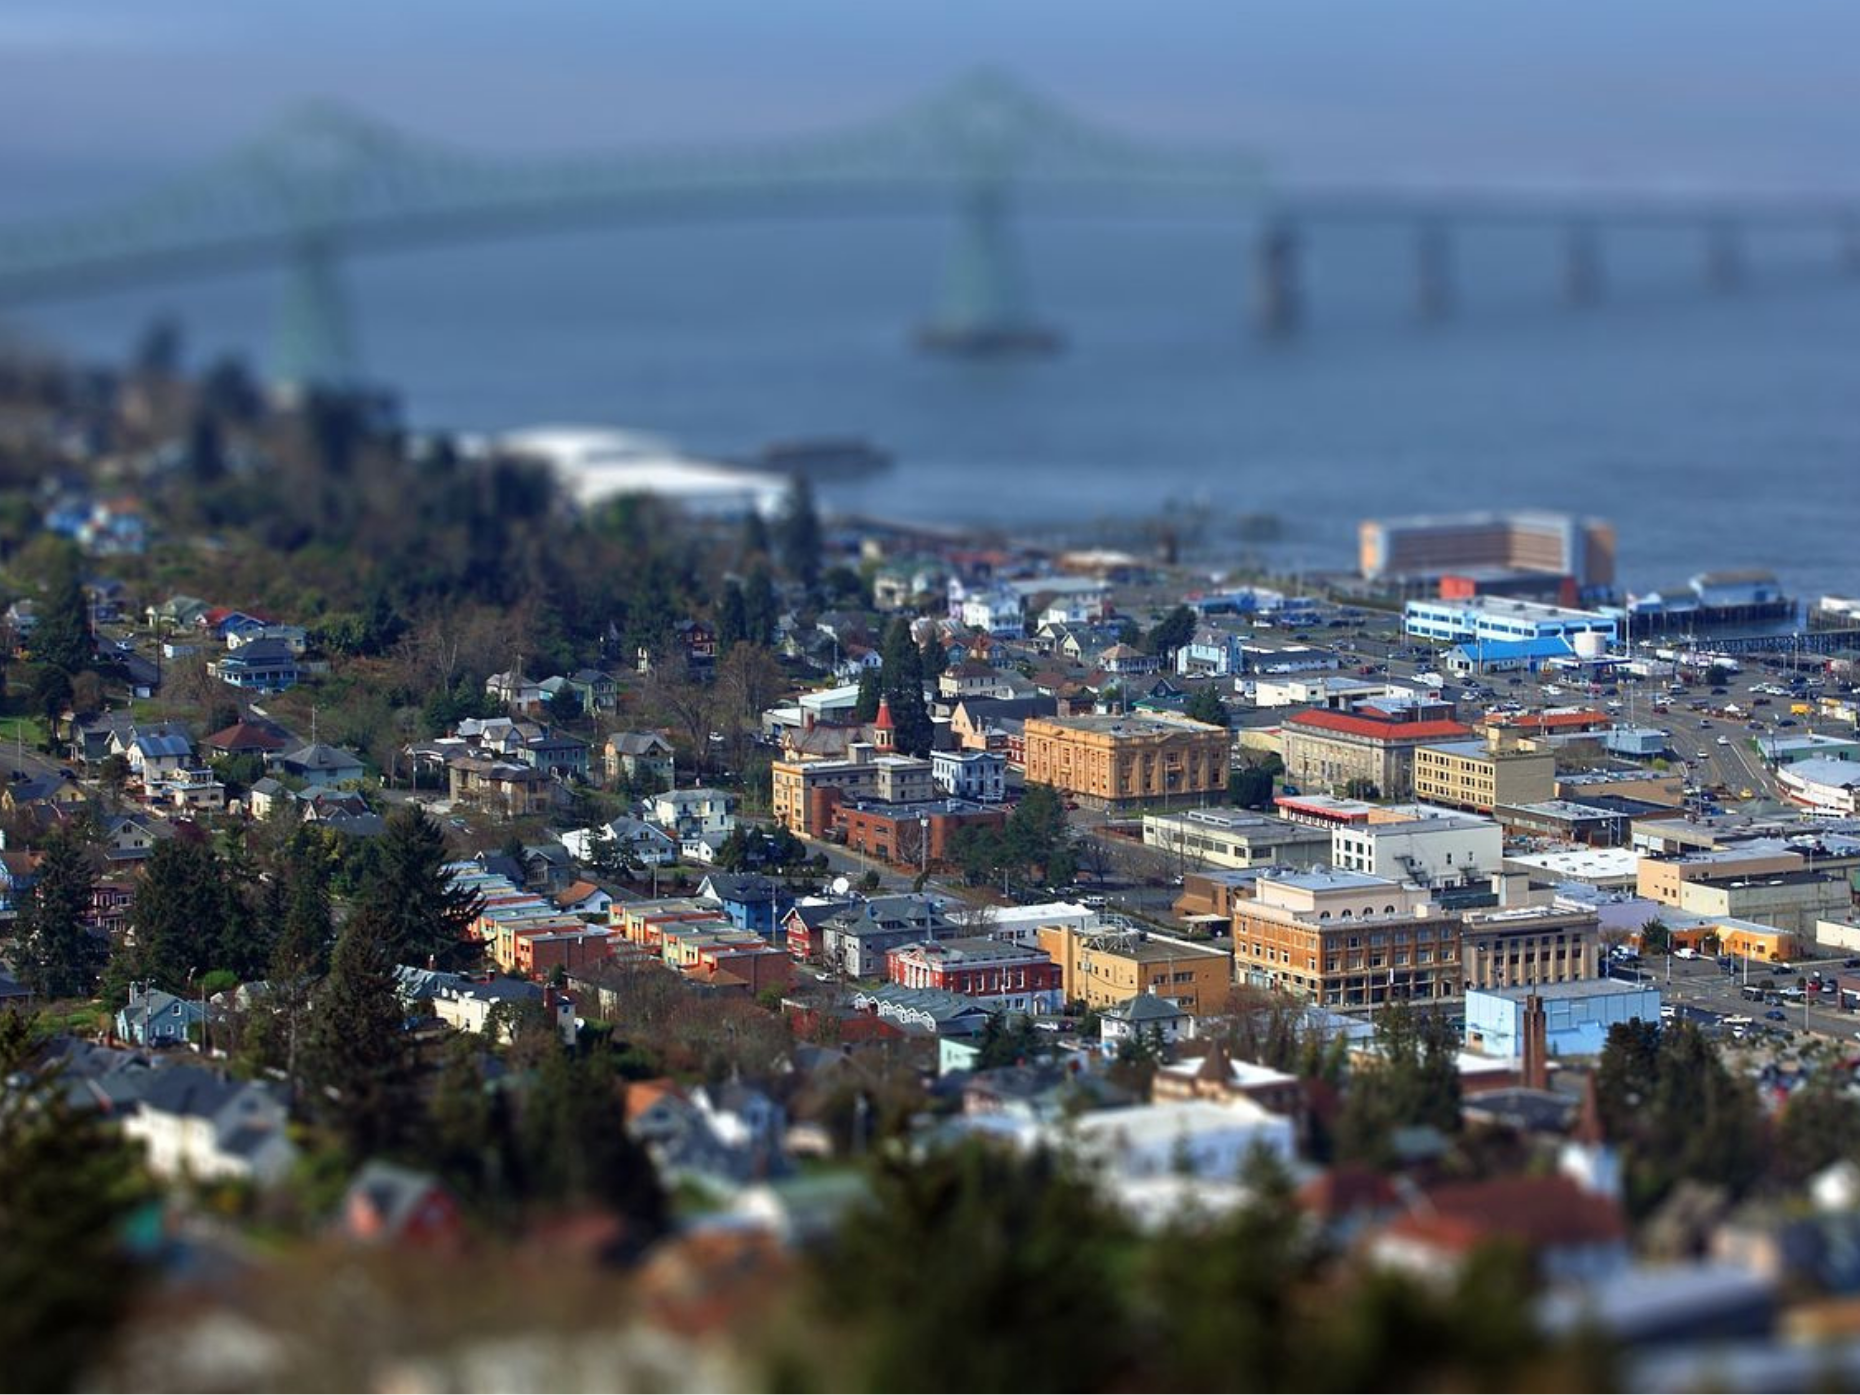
x=1667 y=93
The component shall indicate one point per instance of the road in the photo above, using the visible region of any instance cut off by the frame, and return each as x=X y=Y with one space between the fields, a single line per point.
x=1700 y=983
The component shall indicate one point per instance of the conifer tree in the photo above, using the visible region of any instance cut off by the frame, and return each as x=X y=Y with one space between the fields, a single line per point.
x=357 y=1058
x=59 y=958
x=800 y=534
x=422 y=916
x=62 y=637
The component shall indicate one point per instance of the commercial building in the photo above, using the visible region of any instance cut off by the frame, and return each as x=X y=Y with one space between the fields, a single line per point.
x=1577 y=1015
x=1000 y=975
x=1825 y=786
x=1346 y=939
x=1370 y=747
x=1809 y=746
x=1661 y=877
x=1549 y=544
x=1790 y=902
x=1105 y=967
x=1114 y=762
x=1530 y=946
x=1430 y=849
x=804 y=793
x=1234 y=838
x=1499 y=619
x=980 y=776
x=1483 y=774
x=917 y=835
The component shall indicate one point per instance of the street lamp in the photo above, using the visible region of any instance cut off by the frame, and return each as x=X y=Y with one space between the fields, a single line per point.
x=923 y=845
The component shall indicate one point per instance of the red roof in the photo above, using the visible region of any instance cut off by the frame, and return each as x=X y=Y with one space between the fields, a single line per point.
x=1347 y=724
x=883 y=721
x=1540 y=1212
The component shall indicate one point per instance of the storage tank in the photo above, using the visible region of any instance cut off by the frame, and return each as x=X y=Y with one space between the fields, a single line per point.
x=1590 y=645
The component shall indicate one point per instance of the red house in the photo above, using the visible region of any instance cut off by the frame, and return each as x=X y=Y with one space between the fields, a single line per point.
x=996 y=973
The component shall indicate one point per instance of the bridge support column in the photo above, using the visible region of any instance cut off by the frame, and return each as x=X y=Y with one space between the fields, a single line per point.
x=1433 y=272
x=984 y=308
x=1724 y=257
x=1582 y=266
x=315 y=337
x=1278 y=308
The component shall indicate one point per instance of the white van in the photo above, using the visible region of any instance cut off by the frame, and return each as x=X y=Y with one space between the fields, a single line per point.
x=1686 y=952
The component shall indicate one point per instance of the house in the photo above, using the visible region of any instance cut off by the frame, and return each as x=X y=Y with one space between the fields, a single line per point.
x=56 y=790
x=644 y=844
x=154 y=1018
x=153 y=752
x=856 y=940
x=176 y=613
x=129 y=837
x=267 y=795
x=728 y=1134
x=557 y=753
x=688 y=813
x=1126 y=660
x=198 y=1124
x=977 y=775
x=751 y=902
x=596 y=689
x=641 y=758
x=323 y=765
x=1570 y=1233
x=518 y=790
x=517 y=693
x=1144 y=1017
x=473 y=1005
x=246 y=738
x=801 y=927
x=390 y=1204
x=263 y=665
x=584 y=899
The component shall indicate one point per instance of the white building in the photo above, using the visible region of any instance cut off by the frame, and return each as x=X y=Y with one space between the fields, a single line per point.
x=197 y=1124
x=980 y=776
x=1433 y=849
x=1503 y=618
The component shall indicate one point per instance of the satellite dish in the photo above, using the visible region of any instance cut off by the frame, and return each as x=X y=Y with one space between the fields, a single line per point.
x=841 y=886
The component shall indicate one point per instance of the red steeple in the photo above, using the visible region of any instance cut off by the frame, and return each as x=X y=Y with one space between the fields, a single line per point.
x=881 y=725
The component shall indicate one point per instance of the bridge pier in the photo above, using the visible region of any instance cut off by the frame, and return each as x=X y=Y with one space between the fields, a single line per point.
x=984 y=305
x=1433 y=272
x=1278 y=309
x=1582 y=265
x=315 y=334
x=1724 y=257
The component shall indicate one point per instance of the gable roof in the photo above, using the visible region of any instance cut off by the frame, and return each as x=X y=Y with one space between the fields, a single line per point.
x=246 y=736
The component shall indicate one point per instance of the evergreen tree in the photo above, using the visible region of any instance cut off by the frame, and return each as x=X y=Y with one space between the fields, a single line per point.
x=1206 y=706
x=761 y=610
x=69 y=1182
x=871 y=685
x=1171 y=632
x=936 y=658
x=421 y=914
x=901 y=677
x=1414 y=1081
x=573 y=1152
x=755 y=536
x=799 y=533
x=60 y=959
x=732 y=618
x=62 y=638
x=357 y=1059
x=188 y=913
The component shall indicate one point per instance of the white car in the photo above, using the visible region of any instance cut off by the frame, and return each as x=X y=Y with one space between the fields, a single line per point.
x=1724 y=741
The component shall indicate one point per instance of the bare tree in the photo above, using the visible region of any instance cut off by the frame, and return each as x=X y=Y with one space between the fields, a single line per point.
x=687 y=705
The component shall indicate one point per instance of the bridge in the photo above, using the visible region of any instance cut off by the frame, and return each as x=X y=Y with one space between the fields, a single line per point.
x=327 y=183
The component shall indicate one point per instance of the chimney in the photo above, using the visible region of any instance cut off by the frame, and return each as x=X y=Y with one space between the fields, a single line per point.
x=1536 y=1044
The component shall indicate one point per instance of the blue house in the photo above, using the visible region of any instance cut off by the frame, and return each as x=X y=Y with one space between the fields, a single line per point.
x=751 y=902
x=264 y=665
x=154 y=1018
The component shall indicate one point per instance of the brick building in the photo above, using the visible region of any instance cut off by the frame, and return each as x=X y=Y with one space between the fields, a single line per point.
x=1331 y=751
x=1000 y=975
x=910 y=835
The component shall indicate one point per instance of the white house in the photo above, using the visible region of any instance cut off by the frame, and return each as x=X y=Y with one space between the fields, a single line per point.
x=648 y=846
x=694 y=812
x=975 y=775
x=198 y=1124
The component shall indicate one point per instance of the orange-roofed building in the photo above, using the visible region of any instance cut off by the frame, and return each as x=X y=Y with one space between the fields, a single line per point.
x=1571 y=1233
x=1328 y=751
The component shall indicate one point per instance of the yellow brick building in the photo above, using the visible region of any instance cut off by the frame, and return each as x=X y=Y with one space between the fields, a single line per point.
x=1102 y=969
x=1481 y=775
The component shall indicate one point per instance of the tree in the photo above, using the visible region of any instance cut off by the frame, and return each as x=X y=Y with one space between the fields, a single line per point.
x=901 y=676
x=1250 y=788
x=189 y=914
x=60 y=958
x=1171 y=632
x=936 y=658
x=732 y=618
x=1206 y=706
x=865 y=706
x=1655 y=938
x=69 y=1182
x=798 y=533
x=565 y=706
x=761 y=611
x=573 y=1152
x=357 y=1058
x=62 y=638
x=422 y=916
x=1414 y=1081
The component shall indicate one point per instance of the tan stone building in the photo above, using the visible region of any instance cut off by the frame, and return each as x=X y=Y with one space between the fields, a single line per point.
x=1530 y=945
x=1116 y=761
x=1481 y=775
x=1102 y=968
x=1346 y=939
x=804 y=793
x=1328 y=752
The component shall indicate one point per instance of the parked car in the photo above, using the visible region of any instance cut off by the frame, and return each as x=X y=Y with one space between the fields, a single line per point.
x=1776 y=1015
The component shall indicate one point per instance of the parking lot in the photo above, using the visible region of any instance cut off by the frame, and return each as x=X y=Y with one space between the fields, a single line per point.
x=1702 y=991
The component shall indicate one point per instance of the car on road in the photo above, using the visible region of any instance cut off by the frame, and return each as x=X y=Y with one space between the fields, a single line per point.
x=1724 y=741
x=1776 y=1015
x=1704 y=755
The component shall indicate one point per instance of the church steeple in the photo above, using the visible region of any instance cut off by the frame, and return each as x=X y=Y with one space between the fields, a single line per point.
x=883 y=732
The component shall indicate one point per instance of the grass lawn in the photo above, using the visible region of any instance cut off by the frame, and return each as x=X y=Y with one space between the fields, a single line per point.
x=17 y=731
